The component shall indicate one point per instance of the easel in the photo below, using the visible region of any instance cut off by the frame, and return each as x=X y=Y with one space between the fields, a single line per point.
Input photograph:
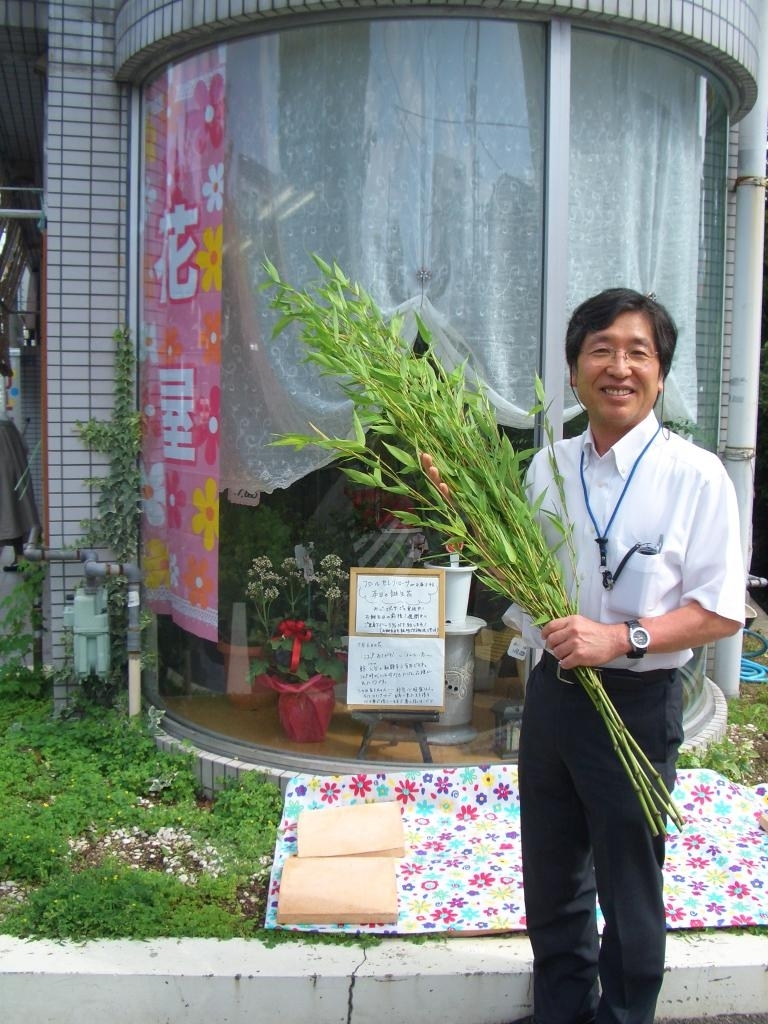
x=415 y=719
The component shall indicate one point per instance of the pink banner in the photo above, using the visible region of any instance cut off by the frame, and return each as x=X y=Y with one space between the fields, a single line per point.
x=180 y=342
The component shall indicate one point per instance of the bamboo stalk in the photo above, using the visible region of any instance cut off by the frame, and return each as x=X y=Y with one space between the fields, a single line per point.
x=412 y=404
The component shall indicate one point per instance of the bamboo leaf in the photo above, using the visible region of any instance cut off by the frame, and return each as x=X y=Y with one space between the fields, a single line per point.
x=406 y=460
x=358 y=428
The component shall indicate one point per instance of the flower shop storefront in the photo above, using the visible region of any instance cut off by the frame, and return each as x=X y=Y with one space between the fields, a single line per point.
x=429 y=157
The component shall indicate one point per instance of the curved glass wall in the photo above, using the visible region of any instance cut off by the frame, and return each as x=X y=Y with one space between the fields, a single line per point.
x=411 y=152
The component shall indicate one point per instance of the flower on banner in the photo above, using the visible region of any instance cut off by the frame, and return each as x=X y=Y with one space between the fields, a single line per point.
x=197 y=582
x=155 y=564
x=207 y=117
x=205 y=425
x=151 y=421
x=206 y=520
x=172 y=349
x=213 y=189
x=210 y=337
x=208 y=258
x=153 y=493
x=175 y=499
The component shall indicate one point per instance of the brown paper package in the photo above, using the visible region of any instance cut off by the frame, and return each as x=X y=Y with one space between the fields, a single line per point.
x=362 y=830
x=338 y=890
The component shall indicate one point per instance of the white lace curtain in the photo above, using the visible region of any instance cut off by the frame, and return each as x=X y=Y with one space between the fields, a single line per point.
x=638 y=124
x=411 y=152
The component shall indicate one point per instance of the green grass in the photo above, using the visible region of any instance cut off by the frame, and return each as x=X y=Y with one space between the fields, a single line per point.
x=84 y=793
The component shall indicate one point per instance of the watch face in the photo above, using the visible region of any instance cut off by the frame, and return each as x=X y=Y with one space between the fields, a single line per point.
x=639 y=637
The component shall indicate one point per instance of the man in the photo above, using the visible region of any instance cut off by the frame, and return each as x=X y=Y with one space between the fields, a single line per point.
x=658 y=571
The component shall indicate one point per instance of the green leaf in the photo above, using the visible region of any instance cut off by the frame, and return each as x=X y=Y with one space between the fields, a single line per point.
x=405 y=459
x=358 y=428
x=357 y=476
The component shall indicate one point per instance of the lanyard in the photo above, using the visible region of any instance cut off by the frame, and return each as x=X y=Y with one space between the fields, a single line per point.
x=602 y=538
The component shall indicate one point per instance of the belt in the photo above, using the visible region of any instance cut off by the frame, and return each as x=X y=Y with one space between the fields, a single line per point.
x=607 y=676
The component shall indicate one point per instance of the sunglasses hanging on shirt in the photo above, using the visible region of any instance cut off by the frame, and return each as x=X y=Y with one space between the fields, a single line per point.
x=644 y=548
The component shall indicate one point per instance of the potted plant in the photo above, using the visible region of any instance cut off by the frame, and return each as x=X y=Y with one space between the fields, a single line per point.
x=299 y=611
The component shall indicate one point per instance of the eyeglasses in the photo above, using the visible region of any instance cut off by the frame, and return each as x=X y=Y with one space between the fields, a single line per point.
x=636 y=358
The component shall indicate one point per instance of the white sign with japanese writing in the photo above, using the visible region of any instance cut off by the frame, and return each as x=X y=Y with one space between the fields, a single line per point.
x=396 y=639
x=393 y=672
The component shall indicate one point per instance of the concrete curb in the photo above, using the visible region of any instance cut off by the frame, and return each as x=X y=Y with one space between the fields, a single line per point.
x=480 y=980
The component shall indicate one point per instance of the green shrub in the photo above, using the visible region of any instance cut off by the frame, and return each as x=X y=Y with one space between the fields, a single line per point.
x=31 y=844
x=103 y=835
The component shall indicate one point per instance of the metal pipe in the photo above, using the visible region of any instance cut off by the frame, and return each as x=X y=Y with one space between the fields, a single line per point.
x=741 y=437
x=95 y=570
x=13 y=213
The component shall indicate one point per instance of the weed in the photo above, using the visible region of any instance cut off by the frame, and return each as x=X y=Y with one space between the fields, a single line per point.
x=103 y=835
x=742 y=755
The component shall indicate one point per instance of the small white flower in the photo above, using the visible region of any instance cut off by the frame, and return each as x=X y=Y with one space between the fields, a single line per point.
x=153 y=493
x=213 y=189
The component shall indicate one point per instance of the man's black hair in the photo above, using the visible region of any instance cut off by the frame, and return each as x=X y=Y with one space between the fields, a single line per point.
x=601 y=310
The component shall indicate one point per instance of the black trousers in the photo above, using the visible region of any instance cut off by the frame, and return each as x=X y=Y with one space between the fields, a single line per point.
x=584 y=836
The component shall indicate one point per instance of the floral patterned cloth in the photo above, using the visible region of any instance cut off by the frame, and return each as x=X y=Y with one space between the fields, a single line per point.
x=462 y=869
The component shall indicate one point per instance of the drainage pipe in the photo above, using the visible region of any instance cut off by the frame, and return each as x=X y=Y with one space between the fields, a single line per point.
x=740 y=441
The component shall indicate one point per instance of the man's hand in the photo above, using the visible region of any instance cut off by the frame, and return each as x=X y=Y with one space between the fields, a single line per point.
x=576 y=641
x=433 y=473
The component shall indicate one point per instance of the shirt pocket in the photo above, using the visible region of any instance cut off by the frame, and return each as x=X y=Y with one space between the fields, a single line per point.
x=639 y=587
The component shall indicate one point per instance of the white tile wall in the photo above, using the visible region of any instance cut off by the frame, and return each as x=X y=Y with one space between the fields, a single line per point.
x=86 y=193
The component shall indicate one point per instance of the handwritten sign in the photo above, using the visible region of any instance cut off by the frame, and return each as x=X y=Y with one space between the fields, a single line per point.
x=405 y=602
x=396 y=656
x=390 y=672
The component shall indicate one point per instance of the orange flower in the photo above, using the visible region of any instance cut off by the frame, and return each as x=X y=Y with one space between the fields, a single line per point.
x=210 y=337
x=172 y=348
x=197 y=582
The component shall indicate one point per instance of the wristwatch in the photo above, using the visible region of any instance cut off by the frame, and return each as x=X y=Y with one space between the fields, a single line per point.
x=639 y=638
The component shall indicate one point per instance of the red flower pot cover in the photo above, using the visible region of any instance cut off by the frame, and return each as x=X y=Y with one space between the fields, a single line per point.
x=304 y=709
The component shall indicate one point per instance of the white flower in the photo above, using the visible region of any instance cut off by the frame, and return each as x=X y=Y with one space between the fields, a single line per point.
x=213 y=189
x=153 y=493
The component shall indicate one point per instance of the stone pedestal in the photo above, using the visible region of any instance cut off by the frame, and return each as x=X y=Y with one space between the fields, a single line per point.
x=455 y=722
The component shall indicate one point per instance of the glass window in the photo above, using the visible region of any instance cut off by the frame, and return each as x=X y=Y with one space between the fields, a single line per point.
x=411 y=152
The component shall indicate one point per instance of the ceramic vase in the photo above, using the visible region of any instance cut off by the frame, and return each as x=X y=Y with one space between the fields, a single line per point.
x=458 y=581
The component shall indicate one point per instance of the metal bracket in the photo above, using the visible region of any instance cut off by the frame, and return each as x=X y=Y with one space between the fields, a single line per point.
x=750 y=179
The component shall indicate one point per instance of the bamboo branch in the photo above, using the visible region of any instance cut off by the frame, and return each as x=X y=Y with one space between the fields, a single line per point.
x=412 y=404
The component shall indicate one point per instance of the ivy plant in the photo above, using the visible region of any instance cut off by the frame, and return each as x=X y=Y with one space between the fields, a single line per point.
x=116 y=524
x=119 y=491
